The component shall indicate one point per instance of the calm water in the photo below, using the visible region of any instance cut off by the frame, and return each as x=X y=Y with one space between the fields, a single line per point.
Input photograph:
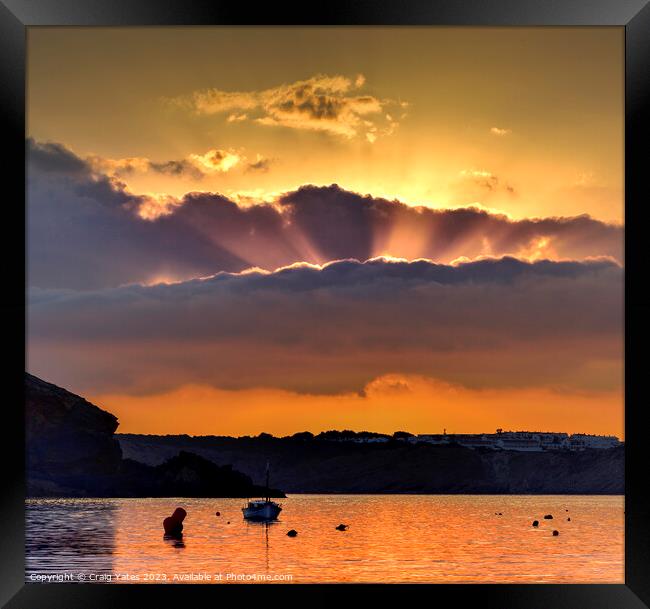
x=391 y=538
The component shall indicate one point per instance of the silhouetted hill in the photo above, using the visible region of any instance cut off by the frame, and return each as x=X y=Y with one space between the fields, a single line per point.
x=307 y=464
x=187 y=475
x=72 y=452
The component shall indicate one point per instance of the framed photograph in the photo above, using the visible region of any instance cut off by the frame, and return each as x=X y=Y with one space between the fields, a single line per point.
x=351 y=296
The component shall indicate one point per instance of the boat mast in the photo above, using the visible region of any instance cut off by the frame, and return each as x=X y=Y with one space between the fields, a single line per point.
x=267 y=482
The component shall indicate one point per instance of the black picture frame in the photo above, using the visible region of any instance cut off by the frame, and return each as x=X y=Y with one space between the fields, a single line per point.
x=633 y=15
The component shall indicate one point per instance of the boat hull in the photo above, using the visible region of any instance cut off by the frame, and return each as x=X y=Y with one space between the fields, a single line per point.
x=265 y=512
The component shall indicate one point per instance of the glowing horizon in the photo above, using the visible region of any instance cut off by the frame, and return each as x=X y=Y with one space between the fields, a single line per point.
x=384 y=410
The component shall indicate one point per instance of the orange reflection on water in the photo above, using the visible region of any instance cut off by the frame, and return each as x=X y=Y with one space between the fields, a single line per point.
x=391 y=538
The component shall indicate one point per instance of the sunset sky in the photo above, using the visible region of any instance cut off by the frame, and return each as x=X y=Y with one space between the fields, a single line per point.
x=237 y=230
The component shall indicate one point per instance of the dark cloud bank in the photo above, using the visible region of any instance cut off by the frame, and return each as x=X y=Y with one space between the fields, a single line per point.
x=491 y=323
x=84 y=231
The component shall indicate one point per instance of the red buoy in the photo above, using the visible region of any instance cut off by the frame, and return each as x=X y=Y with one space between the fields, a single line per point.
x=173 y=524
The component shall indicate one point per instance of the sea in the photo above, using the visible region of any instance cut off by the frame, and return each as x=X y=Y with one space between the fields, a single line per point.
x=389 y=538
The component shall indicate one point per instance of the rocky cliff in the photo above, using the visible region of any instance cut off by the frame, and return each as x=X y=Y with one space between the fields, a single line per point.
x=72 y=452
x=65 y=434
x=302 y=464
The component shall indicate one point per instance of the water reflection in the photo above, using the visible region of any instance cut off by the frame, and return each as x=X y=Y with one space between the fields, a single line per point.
x=265 y=524
x=74 y=532
x=175 y=541
x=390 y=538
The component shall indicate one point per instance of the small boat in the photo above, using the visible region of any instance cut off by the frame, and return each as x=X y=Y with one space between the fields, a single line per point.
x=262 y=509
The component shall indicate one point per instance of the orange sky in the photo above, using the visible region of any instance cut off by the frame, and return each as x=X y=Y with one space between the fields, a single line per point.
x=391 y=403
x=171 y=155
x=538 y=110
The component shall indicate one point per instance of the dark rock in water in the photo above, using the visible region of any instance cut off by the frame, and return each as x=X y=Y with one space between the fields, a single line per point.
x=535 y=523
x=500 y=513
x=556 y=533
x=218 y=514
x=548 y=517
x=568 y=519
x=228 y=522
x=292 y=533
x=173 y=524
x=341 y=527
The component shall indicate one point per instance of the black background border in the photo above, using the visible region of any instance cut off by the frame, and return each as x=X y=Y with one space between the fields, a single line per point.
x=17 y=15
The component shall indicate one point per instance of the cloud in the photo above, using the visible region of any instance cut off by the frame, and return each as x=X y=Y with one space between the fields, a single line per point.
x=88 y=231
x=215 y=160
x=177 y=168
x=52 y=157
x=261 y=164
x=485 y=183
x=330 y=104
x=51 y=163
x=333 y=328
x=195 y=166
x=237 y=118
x=155 y=206
x=117 y=167
x=499 y=131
